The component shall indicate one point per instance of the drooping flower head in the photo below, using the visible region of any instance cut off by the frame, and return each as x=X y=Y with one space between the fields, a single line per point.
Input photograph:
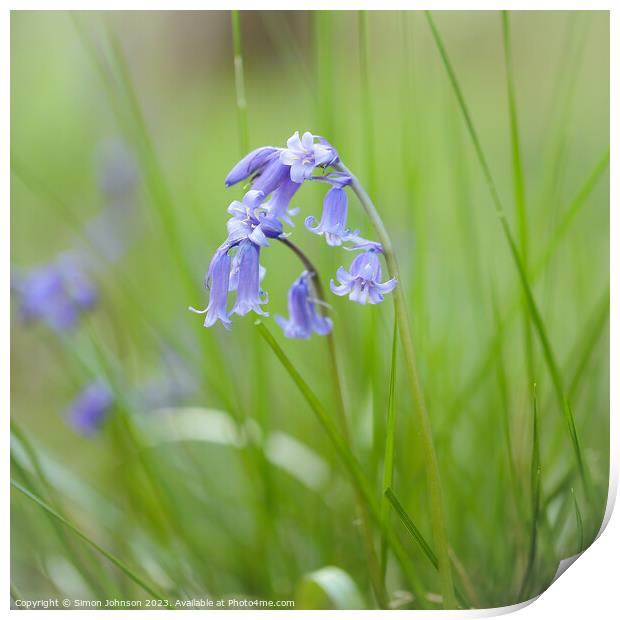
x=279 y=172
x=276 y=175
x=304 y=320
x=362 y=283
x=90 y=408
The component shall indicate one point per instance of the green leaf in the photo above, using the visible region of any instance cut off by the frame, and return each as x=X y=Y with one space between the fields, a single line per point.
x=328 y=588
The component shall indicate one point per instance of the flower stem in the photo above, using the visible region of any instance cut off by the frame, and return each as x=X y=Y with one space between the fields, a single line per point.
x=421 y=415
x=373 y=561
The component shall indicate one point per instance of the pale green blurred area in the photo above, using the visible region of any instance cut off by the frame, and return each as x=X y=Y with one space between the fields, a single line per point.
x=433 y=198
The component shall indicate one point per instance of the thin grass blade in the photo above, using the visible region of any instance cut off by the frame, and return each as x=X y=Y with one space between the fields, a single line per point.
x=534 y=312
x=578 y=521
x=112 y=558
x=535 y=499
x=358 y=478
x=388 y=462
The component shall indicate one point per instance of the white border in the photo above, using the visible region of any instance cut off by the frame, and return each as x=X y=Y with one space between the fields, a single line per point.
x=589 y=586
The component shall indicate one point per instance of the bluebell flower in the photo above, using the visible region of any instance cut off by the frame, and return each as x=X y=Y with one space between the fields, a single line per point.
x=249 y=221
x=249 y=293
x=304 y=320
x=55 y=294
x=217 y=281
x=272 y=176
x=278 y=205
x=303 y=155
x=235 y=266
x=362 y=281
x=253 y=163
x=333 y=222
x=88 y=411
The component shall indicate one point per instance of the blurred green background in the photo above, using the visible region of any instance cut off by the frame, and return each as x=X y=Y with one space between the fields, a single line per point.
x=245 y=521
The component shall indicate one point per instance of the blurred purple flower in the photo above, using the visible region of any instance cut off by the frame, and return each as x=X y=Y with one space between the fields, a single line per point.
x=171 y=385
x=115 y=227
x=362 y=281
x=90 y=408
x=117 y=169
x=55 y=294
x=303 y=318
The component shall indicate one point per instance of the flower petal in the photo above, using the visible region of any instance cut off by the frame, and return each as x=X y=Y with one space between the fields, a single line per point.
x=307 y=141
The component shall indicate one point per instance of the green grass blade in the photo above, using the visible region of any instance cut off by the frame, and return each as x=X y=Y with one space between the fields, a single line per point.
x=561 y=107
x=578 y=521
x=358 y=478
x=590 y=337
x=571 y=212
x=128 y=111
x=112 y=558
x=291 y=52
x=49 y=491
x=265 y=536
x=388 y=462
x=535 y=499
x=576 y=204
x=366 y=102
x=503 y=388
x=411 y=527
x=420 y=413
x=242 y=108
x=534 y=312
x=517 y=167
x=322 y=27
x=519 y=185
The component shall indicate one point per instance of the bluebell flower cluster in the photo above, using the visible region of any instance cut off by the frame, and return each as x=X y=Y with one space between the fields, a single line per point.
x=275 y=175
